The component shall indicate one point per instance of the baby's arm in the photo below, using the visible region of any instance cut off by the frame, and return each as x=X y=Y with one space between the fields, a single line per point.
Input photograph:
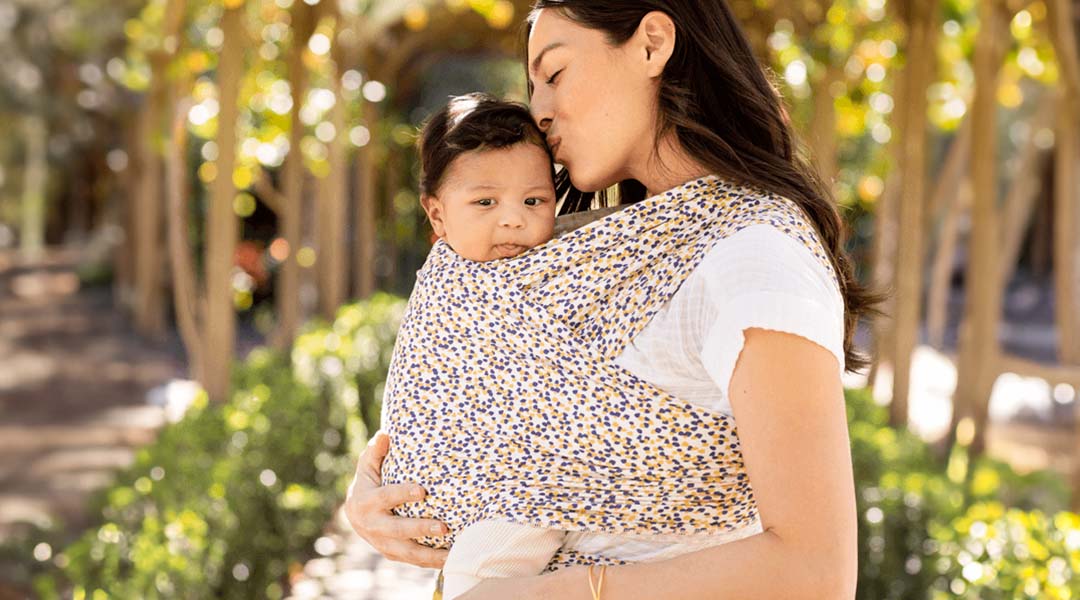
x=491 y=549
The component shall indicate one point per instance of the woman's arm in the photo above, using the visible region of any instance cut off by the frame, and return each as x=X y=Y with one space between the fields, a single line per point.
x=788 y=401
x=368 y=505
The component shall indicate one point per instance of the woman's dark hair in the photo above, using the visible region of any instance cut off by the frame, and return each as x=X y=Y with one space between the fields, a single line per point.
x=717 y=98
x=472 y=122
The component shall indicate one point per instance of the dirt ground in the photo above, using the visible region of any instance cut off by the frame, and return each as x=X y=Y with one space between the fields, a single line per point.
x=73 y=385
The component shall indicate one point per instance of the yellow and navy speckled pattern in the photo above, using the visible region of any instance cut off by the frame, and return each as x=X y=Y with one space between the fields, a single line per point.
x=504 y=402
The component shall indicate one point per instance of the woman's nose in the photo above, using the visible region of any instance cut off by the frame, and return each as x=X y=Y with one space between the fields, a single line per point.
x=541 y=111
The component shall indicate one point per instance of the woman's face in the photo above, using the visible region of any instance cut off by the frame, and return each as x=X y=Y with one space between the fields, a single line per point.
x=595 y=102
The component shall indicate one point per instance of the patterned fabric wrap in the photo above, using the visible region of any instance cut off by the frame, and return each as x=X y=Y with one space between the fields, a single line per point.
x=503 y=400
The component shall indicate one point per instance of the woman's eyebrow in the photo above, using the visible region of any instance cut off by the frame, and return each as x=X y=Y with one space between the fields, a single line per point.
x=540 y=56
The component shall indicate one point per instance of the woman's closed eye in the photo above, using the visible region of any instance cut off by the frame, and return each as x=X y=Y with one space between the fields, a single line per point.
x=551 y=80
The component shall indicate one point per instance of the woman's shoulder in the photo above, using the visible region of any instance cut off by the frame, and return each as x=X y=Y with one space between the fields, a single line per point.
x=765 y=255
x=763 y=276
x=761 y=221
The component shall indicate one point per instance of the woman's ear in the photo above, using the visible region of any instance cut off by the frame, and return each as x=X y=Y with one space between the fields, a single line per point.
x=434 y=209
x=657 y=36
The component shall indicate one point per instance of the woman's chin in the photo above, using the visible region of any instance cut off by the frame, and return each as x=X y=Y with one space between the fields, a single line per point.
x=589 y=182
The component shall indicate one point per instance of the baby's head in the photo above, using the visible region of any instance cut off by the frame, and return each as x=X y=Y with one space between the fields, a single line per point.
x=486 y=178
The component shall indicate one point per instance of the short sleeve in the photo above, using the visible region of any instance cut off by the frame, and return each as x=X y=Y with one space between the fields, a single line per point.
x=761 y=277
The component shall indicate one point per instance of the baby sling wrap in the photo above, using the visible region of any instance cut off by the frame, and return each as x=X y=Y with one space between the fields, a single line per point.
x=503 y=400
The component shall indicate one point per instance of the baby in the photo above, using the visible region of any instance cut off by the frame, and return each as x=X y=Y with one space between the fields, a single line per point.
x=487 y=186
x=487 y=178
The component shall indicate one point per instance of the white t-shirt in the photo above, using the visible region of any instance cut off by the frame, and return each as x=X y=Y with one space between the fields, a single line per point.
x=757 y=277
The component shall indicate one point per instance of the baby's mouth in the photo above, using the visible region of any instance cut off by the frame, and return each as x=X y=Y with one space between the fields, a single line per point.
x=509 y=249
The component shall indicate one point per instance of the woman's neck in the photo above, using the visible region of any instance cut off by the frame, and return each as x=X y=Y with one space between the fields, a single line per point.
x=669 y=166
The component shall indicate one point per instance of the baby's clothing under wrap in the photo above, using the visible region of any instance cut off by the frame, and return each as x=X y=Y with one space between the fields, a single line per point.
x=503 y=400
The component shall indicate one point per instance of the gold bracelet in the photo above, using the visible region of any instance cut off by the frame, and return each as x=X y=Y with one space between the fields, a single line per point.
x=596 y=591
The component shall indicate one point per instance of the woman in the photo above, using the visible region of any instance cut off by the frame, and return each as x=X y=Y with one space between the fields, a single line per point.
x=663 y=93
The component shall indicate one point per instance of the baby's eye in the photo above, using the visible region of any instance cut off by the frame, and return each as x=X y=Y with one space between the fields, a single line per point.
x=485 y=202
x=534 y=201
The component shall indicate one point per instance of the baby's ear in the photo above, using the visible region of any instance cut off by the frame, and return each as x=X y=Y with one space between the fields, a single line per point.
x=434 y=209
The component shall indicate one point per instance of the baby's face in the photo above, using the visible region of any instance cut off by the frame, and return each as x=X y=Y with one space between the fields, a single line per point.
x=495 y=203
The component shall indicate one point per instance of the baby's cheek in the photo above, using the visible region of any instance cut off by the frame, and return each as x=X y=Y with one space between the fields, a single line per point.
x=477 y=250
x=546 y=230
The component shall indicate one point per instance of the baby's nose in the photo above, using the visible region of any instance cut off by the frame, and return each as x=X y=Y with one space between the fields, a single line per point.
x=512 y=219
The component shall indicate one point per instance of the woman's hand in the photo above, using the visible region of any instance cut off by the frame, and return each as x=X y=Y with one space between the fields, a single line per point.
x=368 y=507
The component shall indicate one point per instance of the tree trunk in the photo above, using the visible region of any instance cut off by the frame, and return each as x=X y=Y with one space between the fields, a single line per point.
x=1066 y=263
x=922 y=25
x=952 y=174
x=979 y=351
x=221 y=229
x=291 y=216
x=884 y=276
x=333 y=266
x=1041 y=241
x=823 y=125
x=392 y=177
x=366 y=215
x=937 y=301
x=1024 y=191
x=1062 y=19
x=886 y=222
x=149 y=296
x=952 y=194
x=123 y=255
x=186 y=296
x=35 y=185
x=149 y=306
x=1067 y=230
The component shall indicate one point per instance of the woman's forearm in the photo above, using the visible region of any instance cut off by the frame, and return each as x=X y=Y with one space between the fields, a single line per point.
x=761 y=567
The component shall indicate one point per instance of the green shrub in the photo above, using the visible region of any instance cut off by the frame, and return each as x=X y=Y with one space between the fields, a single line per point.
x=227 y=499
x=916 y=515
x=994 y=553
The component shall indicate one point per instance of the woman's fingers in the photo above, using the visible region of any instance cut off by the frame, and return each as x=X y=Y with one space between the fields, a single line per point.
x=403 y=529
x=389 y=496
x=413 y=553
x=373 y=455
x=368 y=507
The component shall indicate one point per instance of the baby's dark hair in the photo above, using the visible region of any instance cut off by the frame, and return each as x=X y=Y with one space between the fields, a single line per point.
x=470 y=122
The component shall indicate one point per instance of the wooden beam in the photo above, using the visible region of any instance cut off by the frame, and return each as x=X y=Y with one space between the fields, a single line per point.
x=1054 y=374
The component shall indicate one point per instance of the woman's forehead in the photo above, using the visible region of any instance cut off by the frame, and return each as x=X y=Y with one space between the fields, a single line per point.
x=548 y=27
x=552 y=30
